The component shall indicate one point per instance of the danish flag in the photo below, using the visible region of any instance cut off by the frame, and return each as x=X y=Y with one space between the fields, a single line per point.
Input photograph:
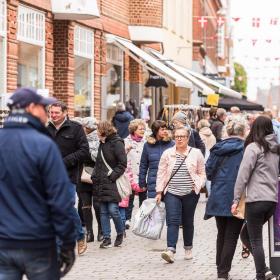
x=254 y=41
x=203 y=21
x=256 y=22
x=274 y=21
x=220 y=21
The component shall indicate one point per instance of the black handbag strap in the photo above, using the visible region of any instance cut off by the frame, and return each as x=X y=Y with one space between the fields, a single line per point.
x=173 y=174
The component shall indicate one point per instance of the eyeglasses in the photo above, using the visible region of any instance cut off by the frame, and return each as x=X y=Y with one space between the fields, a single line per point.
x=177 y=137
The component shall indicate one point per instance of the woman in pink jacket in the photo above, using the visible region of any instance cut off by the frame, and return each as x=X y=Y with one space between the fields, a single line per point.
x=181 y=175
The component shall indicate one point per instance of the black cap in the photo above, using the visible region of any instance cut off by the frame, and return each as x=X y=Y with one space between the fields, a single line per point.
x=25 y=96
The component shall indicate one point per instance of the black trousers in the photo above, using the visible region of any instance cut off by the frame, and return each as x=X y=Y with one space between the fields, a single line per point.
x=228 y=233
x=257 y=214
x=128 y=210
x=87 y=202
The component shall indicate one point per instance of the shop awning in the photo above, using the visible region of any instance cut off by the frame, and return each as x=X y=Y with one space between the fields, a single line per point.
x=221 y=89
x=242 y=104
x=181 y=70
x=149 y=62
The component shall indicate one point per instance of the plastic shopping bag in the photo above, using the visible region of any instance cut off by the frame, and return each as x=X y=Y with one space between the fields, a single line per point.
x=149 y=220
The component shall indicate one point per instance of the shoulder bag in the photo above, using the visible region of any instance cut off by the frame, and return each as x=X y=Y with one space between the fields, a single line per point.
x=123 y=184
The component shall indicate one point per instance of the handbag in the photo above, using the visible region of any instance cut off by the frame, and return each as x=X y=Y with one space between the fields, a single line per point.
x=86 y=175
x=173 y=174
x=123 y=184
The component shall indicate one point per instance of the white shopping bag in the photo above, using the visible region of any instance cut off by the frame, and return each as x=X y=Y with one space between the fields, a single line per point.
x=149 y=220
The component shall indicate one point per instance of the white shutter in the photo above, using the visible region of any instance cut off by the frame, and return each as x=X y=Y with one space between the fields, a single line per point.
x=83 y=42
x=221 y=41
x=3 y=9
x=31 y=26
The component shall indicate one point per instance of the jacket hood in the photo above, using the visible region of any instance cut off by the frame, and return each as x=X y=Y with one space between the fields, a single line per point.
x=206 y=131
x=229 y=146
x=123 y=116
x=272 y=140
x=114 y=138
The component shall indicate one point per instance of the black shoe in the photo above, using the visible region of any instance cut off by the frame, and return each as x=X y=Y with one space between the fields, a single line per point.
x=100 y=236
x=106 y=243
x=90 y=236
x=119 y=240
x=127 y=224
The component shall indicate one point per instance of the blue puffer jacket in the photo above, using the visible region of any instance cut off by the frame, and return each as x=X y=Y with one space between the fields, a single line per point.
x=150 y=158
x=37 y=203
x=121 y=121
x=221 y=169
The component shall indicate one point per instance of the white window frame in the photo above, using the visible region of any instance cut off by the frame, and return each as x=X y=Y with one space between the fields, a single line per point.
x=116 y=60
x=221 y=41
x=85 y=37
x=33 y=32
x=3 y=56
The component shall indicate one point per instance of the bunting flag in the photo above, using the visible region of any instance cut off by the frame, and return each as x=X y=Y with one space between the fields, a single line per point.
x=220 y=21
x=256 y=22
x=274 y=21
x=236 y=19
x=203 y=21
x=254 y=41
x=268 y=41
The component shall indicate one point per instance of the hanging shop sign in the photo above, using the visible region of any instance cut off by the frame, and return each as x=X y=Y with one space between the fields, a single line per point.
x=156 y=81
x=75 y=9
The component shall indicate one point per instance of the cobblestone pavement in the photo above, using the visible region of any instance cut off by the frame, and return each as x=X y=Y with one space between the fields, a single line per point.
x=139 y=258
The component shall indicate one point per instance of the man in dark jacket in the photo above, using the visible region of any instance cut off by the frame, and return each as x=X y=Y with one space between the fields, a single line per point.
x=36 y=205
x=218 y=124
x=73 y=145
x=121 y=120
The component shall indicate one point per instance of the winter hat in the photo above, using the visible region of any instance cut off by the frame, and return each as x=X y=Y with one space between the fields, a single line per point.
x=181 y=117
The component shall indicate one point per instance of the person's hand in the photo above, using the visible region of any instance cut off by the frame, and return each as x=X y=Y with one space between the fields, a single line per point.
x=144 y=189
x=66 y=261
x=158 y=198
x=128 y=148
x=234 y=209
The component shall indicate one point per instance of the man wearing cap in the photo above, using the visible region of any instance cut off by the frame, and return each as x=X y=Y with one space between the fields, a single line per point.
x=181 y=119
x=36 y=205
x=73 y=145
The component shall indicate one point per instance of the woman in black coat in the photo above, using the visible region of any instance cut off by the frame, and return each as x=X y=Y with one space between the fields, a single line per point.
x=113 y=149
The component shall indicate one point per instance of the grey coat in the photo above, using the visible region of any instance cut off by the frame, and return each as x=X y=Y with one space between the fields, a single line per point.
x=258 y=173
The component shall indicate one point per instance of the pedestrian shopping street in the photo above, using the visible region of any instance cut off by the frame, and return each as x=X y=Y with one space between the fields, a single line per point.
x=139 y=258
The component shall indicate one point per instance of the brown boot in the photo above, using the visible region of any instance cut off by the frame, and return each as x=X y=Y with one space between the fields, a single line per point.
x=82 y=246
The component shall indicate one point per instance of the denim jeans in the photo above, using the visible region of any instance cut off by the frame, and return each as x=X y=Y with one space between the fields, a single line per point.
x=257 y=214
x=36 y=264
x=122 y=212
x=180 y=210
x=107 y=210
x=228 y=233
x=78 y=224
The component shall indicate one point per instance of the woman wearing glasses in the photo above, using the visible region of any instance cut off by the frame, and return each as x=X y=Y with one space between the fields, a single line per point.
x=181 y=174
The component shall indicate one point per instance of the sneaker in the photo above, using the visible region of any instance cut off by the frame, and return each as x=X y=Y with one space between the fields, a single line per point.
x=168 y=256
x=268 y=274
x=119 y=240
x=127 y=224
x=188 y=255
x=82 y=246
x=106 y=243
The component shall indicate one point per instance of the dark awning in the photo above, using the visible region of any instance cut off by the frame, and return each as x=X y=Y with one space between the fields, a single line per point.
x=243 y=104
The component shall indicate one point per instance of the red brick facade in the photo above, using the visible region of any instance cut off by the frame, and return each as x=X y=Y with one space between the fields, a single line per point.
x=115 y=16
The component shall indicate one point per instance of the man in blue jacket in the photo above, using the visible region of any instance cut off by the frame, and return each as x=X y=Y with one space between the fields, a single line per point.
x=35 y=197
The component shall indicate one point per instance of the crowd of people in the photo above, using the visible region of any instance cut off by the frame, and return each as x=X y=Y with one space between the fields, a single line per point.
x=43 y=168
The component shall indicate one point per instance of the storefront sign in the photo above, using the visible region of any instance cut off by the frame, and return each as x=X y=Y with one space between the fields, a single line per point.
x=75 y=9
x=155 y=81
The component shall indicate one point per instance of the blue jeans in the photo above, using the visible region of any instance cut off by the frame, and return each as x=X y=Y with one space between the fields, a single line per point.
x=180 y=210
x=107 y=210
x=79 y=229
x=36 y=264
x=122 y=212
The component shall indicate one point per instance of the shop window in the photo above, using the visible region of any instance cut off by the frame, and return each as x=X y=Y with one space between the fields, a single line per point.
x=83 y=80
x=83 y=75
x=31 y=51
x=29 y=66
x=221 y=41
x=113 y=80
